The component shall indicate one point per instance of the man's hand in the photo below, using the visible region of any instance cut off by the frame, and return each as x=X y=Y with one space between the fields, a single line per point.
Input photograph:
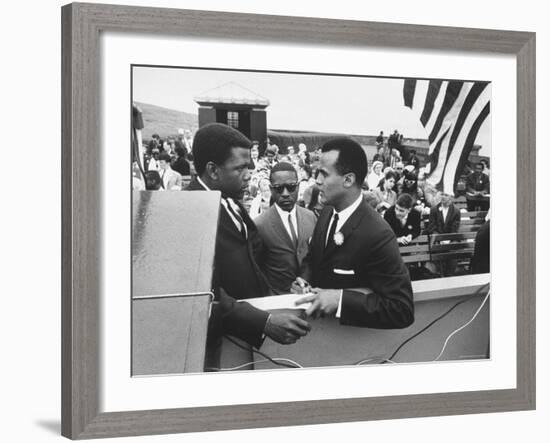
x=300 y=286
x=323 y=302
x=403 y=240
x=286 y=328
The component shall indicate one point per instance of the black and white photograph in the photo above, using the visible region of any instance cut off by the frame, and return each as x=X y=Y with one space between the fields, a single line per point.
x=285 y=220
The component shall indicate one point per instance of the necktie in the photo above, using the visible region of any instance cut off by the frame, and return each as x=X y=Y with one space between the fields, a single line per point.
x=292 y=230
x=332 y=230
x=238 y=218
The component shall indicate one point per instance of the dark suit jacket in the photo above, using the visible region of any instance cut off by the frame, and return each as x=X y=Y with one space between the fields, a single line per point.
x=282 y=260
x=368 y=258
x=437 y=225
x=237 y=276
x=412 y=226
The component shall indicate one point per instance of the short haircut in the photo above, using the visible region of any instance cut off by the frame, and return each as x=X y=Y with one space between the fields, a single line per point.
x=213 y=143
x=387 y=176
x=405 y=201
x=306 y=168
x=282 y=166
x=165 y=156
x=152 y=180
x=351 y=157
x=182 y=152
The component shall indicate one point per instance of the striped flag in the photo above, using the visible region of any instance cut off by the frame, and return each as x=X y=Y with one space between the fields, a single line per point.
x=452 y=113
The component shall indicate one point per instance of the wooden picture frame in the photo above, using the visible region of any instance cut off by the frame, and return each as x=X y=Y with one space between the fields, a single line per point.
x=81 y=27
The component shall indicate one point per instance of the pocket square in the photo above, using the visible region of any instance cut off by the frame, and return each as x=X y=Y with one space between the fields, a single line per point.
x=344 y=271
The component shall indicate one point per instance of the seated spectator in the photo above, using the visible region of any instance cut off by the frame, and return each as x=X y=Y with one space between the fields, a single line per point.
x=477 y=190
x=404 y=221
x=398 y=169
x=312 y=200
x=270 y=158
x=153 y=163
x=413 y=159
x=410 y=186
x=254 y=157
x=486 y=169
x=444 y=217
x=262 y=201
x=380 y=155
x=306 y=180
x=180 y=164
x=153 y=143
x=373 y=179
x=170 y=179
x=395 y=158
x=384 y=193
x=152 y=181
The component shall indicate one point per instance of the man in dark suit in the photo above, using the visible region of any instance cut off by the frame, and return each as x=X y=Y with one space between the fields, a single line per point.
x=354 y=262
x=444 y=217
x=222 y=156
x=285 y=229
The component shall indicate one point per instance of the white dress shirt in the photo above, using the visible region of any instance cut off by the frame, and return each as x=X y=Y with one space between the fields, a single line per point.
x=343 y=217
x=225 y=202
x=444 y=212
x=284 y=218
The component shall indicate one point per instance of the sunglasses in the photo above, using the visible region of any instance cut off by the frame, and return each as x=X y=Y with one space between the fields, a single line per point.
x=290 y=187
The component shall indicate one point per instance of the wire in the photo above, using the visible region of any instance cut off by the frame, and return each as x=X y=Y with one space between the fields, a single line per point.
x=429 y=325
x=253 y=362
x=385 y=360
x=255 y=351
x=463 y=326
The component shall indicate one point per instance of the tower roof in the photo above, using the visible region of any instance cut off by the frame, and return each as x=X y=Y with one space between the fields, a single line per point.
x=233 y=94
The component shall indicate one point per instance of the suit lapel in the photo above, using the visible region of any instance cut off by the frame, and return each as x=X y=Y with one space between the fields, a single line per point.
x=351 y=223
x=279 y=228
x=300 y=222
x=320 y=233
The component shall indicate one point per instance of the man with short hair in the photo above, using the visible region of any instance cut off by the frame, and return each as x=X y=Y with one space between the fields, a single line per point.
x=444 y=217
x=171 y=180
x=354 y=262
x=477 y=190
x=222 y=156
x=285 y=229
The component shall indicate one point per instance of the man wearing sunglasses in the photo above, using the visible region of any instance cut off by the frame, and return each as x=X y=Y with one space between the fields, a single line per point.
x=222 y=158
x=285 y=229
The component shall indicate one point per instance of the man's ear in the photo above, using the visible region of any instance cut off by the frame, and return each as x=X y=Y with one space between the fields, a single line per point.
x=349 y=180
x=212 y=171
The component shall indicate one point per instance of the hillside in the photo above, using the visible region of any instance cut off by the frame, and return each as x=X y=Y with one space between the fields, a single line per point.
x=165 y=122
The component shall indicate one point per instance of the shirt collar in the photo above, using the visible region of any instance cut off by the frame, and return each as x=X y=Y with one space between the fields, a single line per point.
x=344 y=214
x=284 y=214
x=203 y=184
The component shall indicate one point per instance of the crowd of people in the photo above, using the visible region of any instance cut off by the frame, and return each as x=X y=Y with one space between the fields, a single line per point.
x=310 y=221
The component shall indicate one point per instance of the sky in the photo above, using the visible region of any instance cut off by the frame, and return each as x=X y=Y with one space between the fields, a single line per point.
x=342 y=104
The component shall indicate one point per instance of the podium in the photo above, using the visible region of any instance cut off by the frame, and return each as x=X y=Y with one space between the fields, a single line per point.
x=173 y=245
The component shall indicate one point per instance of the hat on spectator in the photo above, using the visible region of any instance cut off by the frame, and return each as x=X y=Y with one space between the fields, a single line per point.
x=376 y=163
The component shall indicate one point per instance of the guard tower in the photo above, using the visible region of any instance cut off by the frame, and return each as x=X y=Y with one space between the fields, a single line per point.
x=237 y=107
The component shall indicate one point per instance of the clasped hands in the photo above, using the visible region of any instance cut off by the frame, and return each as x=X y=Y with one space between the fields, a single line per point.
x=286 y=328
x=324 y=302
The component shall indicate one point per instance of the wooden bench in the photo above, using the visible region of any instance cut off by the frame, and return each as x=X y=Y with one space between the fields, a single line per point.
x=417 y=251
x=439 y=248
x=449 y=247
x=471 y=221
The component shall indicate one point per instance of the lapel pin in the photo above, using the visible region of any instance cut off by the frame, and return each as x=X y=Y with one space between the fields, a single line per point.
x=338 y=239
